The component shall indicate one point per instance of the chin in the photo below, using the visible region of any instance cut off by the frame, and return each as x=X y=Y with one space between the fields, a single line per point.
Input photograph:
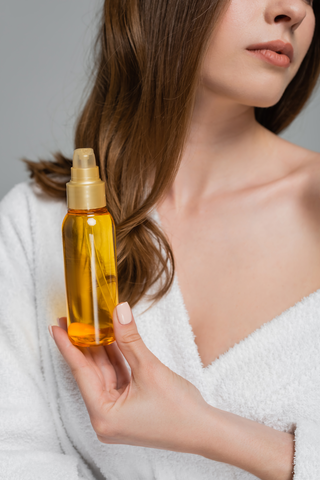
x=261 y=97
x=264 y=93
x=261 y=93
x=264 y=103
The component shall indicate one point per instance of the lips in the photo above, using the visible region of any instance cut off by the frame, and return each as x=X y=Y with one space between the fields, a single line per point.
x=274 y=52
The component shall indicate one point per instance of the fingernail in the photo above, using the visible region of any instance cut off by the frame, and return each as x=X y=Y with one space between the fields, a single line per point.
x=124 y=313
x=50 y=331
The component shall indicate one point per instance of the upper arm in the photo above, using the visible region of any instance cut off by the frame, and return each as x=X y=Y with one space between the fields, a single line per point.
x=29 y=443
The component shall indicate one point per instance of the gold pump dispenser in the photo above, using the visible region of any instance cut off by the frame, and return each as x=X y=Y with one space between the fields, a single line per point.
x=86 y=190
x=90 y=259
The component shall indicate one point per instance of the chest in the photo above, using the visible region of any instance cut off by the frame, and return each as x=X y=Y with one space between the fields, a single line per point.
x=265 y=378
x=239 y=268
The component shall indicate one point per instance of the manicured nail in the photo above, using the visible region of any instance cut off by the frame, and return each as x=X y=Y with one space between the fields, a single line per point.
x=50 y=331
x=124 y=313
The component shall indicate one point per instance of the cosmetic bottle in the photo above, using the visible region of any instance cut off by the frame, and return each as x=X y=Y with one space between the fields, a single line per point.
x=90 y=260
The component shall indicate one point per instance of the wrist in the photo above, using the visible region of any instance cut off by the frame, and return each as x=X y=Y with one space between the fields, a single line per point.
x=261 y=450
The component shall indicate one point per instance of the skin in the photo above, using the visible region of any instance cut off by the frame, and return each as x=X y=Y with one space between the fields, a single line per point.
x=249 y=197
x=252 y=200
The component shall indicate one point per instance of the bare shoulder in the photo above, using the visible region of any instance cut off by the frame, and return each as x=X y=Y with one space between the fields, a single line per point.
x=296 y=161
x=296 y=207
x=304 y=171
x=308 y=172
x=310 y=190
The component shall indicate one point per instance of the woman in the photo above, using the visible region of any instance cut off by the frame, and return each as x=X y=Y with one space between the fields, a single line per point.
x=216 y=376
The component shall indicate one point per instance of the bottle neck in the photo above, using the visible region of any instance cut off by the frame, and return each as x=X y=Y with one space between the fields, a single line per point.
x=86 y=196
x=85 y=212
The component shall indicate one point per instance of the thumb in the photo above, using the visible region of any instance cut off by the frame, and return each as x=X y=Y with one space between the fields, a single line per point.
x=128 y=339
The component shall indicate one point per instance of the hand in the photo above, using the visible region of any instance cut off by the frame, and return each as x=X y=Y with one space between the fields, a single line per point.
x=152 y=407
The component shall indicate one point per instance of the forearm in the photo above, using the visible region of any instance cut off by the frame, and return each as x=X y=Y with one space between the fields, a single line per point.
x=263 y=451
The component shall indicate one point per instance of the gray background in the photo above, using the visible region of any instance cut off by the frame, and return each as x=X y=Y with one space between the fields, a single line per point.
x=45 y=50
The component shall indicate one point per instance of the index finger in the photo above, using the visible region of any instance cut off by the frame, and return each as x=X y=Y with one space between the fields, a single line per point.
x=89 y=384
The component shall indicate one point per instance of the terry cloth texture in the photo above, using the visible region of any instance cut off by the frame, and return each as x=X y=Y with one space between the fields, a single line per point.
x=271 y=377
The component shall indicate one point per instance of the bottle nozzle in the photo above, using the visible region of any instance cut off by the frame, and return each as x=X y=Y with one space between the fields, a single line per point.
x=85 y=191
x=83 y=158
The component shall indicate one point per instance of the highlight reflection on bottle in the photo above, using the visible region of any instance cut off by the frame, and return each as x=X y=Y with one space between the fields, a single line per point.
x=90 y=258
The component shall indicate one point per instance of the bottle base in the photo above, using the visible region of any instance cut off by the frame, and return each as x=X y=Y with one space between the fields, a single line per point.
x=83 y=335
x=80 y=343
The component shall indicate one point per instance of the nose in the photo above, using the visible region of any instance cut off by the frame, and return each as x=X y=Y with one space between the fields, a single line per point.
x=289 y=12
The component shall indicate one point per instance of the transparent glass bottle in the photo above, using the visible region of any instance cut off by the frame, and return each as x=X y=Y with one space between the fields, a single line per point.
x=90 y=259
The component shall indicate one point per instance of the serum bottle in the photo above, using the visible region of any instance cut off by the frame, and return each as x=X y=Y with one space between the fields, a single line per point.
x=90 y=259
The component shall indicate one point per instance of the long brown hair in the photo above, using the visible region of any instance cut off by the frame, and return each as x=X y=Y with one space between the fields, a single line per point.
x=148 y=56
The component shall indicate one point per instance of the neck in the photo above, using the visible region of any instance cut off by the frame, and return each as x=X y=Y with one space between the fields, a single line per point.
x=226 y=150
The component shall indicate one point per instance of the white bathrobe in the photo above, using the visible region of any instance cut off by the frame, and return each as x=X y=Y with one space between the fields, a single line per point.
x=271 y=377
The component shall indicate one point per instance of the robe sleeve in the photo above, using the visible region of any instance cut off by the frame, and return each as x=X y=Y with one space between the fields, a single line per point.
x=307 y=450
x=29 y=444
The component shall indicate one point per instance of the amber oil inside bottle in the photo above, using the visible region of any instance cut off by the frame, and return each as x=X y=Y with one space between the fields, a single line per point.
x=91 y=275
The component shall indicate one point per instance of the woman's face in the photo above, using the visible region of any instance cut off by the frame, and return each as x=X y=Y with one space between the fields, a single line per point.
x=238 y=67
